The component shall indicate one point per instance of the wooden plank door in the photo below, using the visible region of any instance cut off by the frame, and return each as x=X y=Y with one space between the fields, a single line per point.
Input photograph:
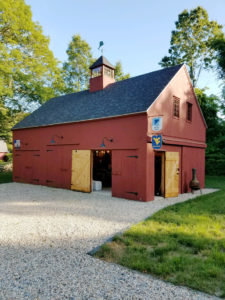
x=65 y=168
x=81 y=178
x=27 y=173
x=53 y=167
x=17 y=166
x=36 y=166
x=171 y=174
x=124 y=174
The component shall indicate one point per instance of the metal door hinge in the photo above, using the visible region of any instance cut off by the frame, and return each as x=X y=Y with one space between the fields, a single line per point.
x=134 y=156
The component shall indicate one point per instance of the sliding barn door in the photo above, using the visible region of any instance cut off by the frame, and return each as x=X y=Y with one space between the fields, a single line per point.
x=171 y=174
x=81 y=178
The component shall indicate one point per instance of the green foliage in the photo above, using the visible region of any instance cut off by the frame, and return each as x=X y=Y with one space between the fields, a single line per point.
x=8 y=118
x=215 y=139
x=119 y=75
x=210 y=108
x=218 y=44
x=5 y=177
x=215 y=157
x=183 y=243
x=199 y=43
x=216 y=182
x=4 y=122
x=191 y=42
x=29 y=73
x=76 y=68
x=28 y=70
x=222 y=103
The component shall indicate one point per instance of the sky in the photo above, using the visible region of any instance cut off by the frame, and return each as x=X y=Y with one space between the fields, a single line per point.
x=135 y=32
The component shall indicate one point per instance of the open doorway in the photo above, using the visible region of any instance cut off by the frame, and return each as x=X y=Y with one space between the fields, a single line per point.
x=159 y=174
x=102 y=167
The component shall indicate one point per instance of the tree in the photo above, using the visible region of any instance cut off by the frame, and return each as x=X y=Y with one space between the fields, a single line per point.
x=191 y=42
x=29 y=73
x=28 y=70
x=210 y=109
x=4 y=123
x=8 y=118
x=219 y=45
x=215 y=139
x=119 y=75
x=76 y=68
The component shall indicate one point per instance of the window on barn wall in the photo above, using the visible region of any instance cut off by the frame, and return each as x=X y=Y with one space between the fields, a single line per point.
x=176 y=107
x=189 y=111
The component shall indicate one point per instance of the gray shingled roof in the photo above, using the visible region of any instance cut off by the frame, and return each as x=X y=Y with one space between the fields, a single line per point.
x=101 y=61
x=133 y=95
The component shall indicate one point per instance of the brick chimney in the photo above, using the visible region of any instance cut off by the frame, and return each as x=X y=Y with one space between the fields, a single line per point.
x=102 y=74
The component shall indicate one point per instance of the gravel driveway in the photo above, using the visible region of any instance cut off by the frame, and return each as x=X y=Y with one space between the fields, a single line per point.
x=45 y=234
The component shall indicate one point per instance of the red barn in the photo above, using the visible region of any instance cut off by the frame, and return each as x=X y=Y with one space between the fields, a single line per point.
x=141 y=136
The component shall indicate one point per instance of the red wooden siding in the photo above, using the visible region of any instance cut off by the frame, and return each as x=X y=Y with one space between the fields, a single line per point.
x=179 y=134
x=174 y=127
x=193 y=158
x=124 y=165
x=41 y=162
x=128 y=133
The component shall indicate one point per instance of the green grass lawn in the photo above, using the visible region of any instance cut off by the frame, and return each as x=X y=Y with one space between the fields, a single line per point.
x=183 y=243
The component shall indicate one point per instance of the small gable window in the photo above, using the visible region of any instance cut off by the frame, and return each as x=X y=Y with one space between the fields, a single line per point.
x=189 y=111
x=176 y=107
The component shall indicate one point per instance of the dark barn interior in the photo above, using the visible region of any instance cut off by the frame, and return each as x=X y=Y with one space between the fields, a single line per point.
x=102 y=167
x=158 y=175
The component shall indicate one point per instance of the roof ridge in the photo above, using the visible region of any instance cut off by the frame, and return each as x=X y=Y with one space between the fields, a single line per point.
x=179 y=65
x=124 y=79
x=125 y=97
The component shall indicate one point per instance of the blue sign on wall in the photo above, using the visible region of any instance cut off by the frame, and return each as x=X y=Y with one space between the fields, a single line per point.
x=17 y=143
x=157 y=123
x=157 y=141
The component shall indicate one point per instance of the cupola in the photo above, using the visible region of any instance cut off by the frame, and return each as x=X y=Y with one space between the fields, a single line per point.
x=102 y=74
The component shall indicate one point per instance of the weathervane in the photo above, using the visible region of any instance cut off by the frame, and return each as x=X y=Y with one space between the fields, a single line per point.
x=100 y=48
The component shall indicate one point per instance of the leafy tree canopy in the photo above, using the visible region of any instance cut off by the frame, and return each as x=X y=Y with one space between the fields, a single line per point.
x=28 y=70
x=8 y=118
x=191 y=42
x=119 y=74
x=210 y=108
x=219 y=45
x=76 y=68
x=215 y=139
